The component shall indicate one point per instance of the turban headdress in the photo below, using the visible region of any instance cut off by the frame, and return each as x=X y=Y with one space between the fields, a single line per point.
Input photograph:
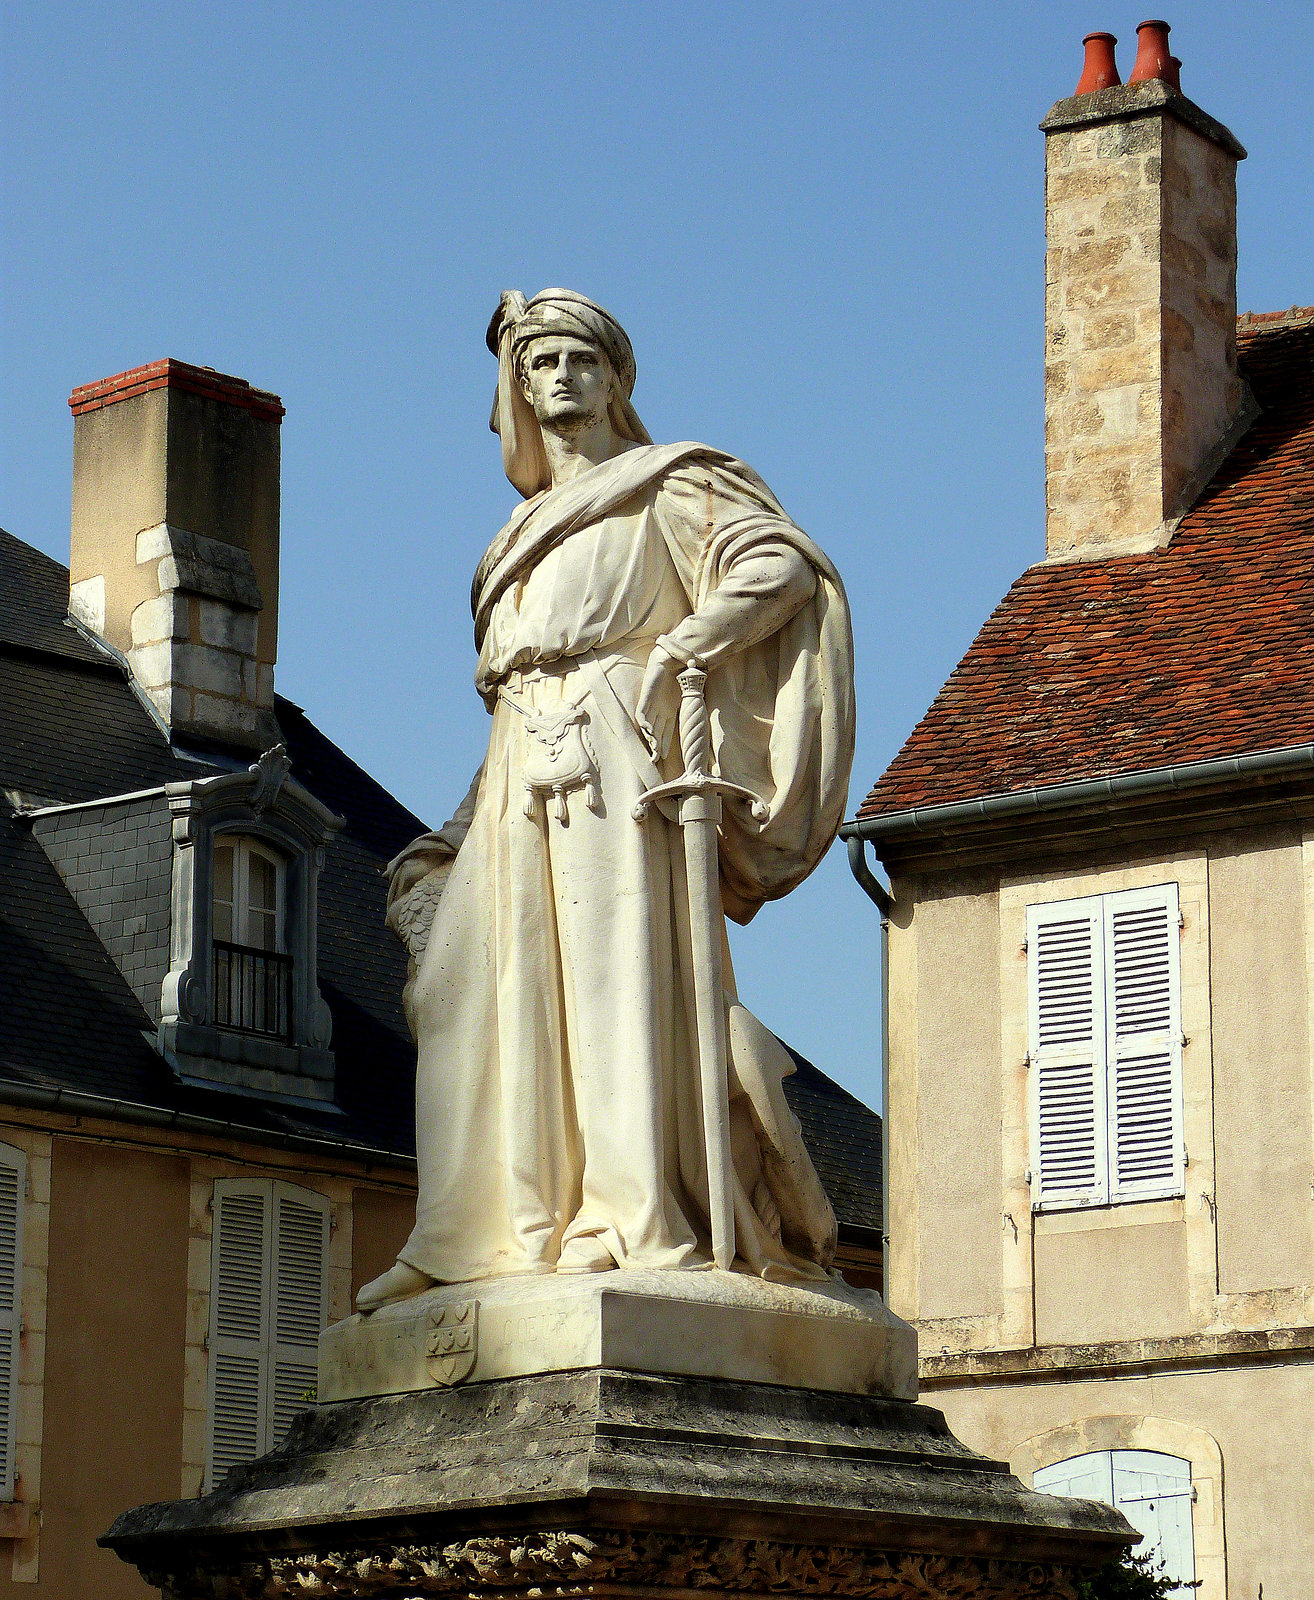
x=552 y=311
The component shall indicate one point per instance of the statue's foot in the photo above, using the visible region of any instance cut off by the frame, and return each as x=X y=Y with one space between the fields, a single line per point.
x=585 y=1253
x=399 y=1282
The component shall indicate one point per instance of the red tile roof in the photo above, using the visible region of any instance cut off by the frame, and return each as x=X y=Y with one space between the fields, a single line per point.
x=1089 y=669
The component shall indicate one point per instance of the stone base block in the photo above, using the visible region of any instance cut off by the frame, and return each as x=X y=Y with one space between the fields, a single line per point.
x=692 y=1324
x=619 y=1484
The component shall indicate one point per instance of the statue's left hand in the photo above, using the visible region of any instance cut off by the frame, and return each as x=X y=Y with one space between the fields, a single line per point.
x=659 y=702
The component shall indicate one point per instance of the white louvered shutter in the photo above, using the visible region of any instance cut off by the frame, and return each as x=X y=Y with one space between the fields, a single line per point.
x=239 y=1317
x=13 y=1187
x=1143 y=959
x=1065 y=944
x=299 y=1300
x=269 y=1298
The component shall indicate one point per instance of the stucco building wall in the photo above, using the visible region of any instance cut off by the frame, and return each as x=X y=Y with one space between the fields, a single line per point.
x=114 y=1364
x=981 y=1272
x=1245 y=1431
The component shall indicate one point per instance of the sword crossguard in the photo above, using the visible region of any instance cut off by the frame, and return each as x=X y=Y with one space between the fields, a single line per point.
x=696 y=749
x=697 y=783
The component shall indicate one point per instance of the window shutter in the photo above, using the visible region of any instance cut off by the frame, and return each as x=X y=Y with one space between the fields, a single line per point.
x=1085 y=1477
x=1143 y=959
x=300 y=1300
x=1153 y=1491
x=239 y=1317
x=269 y=1299
x=13 y=1187
x=1065 y=943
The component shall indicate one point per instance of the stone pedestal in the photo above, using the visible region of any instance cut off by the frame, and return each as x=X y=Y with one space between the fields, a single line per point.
x=826 y=1335
x=635 y=1434
x=598 y=1482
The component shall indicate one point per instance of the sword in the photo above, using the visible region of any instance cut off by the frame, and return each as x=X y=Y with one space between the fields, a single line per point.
x=700 y=794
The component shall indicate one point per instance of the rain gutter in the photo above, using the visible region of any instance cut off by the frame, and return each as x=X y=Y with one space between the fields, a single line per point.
x=42 y=1097
x=1089 y=791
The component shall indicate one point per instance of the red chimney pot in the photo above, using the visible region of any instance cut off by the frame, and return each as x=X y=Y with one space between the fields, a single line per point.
x=1153 y=59
x=1100 y=70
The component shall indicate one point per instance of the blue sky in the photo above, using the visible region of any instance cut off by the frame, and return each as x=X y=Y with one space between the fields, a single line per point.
x=821 y=224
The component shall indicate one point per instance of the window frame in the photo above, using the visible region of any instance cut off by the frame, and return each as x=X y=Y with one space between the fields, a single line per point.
x=264 y=805
x=1105 y=1048
x=1123 y=1462
x=245 y=846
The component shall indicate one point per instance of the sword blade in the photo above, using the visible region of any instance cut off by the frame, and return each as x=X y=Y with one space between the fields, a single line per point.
x=700 y=815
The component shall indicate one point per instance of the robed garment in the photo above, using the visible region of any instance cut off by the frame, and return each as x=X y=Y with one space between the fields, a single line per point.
x=559 y=1120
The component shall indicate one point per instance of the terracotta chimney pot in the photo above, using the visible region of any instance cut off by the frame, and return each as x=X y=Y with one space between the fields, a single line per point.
x=1153 y=58
x=1100 y=70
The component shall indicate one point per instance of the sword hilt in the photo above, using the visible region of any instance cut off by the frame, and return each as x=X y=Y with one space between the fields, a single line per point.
x=696 y=749
x=695 y=724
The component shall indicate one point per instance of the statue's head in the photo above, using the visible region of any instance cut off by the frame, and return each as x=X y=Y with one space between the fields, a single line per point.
x=563 y=364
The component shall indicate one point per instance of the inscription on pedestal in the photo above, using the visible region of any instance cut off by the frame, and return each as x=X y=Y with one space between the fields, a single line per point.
x=534 y=1327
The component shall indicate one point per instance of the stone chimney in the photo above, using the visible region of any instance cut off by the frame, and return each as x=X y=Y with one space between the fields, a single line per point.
x=1142 y=396
x=174 y=557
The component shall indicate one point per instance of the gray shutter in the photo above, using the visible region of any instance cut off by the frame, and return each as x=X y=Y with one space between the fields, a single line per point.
x=1143 y=960
x=299 y=1301
x=239 y=1318
x=1065 y=944
x=13 y=1188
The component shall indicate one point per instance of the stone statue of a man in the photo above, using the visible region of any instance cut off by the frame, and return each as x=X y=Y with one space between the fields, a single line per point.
x=552 y=996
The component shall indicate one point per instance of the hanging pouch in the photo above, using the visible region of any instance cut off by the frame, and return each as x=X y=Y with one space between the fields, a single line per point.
x=558 y=758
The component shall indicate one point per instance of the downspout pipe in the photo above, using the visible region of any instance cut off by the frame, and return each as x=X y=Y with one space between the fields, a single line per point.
x=876 y=891
x=1290 y=760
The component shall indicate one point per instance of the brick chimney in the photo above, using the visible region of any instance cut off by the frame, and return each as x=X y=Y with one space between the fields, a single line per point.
x=1142 y=396
x=174 y=557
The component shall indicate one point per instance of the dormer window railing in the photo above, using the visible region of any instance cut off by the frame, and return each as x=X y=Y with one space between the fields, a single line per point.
x=252 y=990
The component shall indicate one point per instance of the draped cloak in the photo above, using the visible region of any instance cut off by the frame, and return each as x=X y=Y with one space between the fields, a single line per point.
x=559 y=1122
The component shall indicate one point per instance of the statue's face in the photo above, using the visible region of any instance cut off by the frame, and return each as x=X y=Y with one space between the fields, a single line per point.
x=567 y=381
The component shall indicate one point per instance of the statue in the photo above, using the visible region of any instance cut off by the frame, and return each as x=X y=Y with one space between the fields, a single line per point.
x=667 y=660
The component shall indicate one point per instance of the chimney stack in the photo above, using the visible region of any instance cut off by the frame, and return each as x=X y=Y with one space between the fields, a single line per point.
x=174 y=558
x=1142 y=395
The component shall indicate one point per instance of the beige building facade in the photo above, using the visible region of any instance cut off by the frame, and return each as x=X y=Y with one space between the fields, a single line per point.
x=1182 y=1325
x=1099 y=923
x=114 y=1367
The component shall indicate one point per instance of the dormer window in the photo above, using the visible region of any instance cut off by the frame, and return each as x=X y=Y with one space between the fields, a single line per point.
x=240 y=1007
x=252 y=972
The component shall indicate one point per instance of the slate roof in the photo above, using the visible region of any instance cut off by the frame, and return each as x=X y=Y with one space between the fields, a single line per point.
x=843 y=1137
x=72 y=729
x=1090 y=669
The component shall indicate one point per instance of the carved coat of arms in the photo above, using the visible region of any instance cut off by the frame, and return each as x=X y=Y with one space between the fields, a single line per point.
x=452 y=1342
